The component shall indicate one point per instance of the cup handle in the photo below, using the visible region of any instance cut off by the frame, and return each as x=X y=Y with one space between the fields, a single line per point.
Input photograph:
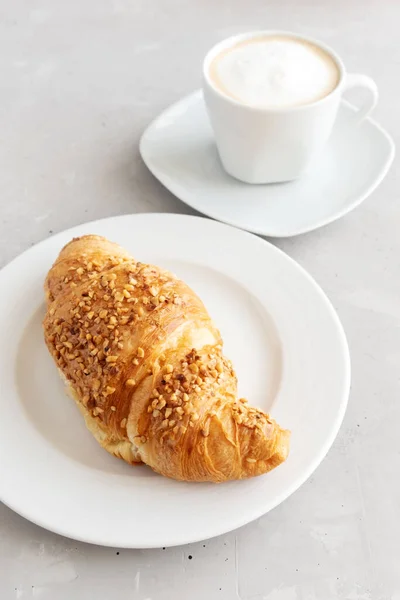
x=354 y=80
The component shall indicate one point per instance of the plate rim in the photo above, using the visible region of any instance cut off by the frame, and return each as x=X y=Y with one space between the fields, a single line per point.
x=297 y=483
x=197 y=96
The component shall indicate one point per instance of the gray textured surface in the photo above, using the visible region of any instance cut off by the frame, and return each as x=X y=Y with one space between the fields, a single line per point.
x=79 y=83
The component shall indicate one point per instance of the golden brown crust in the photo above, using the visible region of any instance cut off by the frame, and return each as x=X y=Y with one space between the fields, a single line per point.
x=145 y=364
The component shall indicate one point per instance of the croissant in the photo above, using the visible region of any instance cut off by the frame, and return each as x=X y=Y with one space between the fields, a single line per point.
x=144 y=363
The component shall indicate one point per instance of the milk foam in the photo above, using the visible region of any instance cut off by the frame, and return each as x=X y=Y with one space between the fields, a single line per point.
x=275 y=72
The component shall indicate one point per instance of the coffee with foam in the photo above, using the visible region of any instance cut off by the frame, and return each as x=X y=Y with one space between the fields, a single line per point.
x=274 y=72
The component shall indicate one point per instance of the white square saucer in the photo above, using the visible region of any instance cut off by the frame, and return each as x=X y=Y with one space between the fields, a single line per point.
x=178 y=147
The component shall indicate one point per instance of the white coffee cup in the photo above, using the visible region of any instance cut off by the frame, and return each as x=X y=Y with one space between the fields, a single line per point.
x=263 y=145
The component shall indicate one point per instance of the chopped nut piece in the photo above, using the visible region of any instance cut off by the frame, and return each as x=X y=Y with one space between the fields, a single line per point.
x=130 y=382
x=111 y=359
x=123 y=423
x=153 y=291
x=113 y=408
x=109 y=390
x=140 y=352
x=251 y=460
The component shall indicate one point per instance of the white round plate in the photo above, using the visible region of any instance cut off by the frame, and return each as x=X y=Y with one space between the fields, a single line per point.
x=179 y=149
x=281 y=332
